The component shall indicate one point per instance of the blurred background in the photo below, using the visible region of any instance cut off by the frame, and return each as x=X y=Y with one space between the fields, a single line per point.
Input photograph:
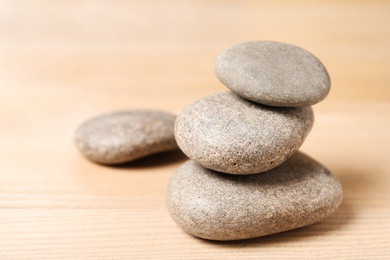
x=166 y=49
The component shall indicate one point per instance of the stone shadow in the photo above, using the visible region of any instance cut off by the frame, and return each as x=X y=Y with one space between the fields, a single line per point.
x=154 y=160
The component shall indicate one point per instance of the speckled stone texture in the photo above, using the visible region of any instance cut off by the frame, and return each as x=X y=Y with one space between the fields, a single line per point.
x=273 y=73
x=220 y=206
x=124 y=136
x=226 y=133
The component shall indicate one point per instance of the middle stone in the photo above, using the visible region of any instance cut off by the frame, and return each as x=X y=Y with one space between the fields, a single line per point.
x=229 y=134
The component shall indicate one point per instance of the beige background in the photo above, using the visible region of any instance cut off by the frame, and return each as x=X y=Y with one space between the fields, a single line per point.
x=62 y=62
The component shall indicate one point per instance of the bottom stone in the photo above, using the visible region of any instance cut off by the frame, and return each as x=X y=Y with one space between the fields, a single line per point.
x=219 y=206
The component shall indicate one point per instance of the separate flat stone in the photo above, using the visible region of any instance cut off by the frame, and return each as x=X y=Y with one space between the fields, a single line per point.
x=226 y=133
x=126 y=135
x=219 y=206
x=273 y=73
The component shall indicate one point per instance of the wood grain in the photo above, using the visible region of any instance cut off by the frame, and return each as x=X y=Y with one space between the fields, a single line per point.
x=62 y=62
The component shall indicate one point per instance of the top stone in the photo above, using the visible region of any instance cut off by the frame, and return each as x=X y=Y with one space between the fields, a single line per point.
x=273 y=73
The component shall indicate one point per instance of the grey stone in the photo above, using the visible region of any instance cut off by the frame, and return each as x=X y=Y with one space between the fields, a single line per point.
x=273 y=73
x=220 y=206
x=226 y=133
x=124 y=136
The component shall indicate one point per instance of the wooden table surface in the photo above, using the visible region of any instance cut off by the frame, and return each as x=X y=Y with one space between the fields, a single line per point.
x=62 y=62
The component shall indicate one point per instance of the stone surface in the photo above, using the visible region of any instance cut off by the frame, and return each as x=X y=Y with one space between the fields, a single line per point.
x=220 y=206
x=124 y=136
x=226 y=133
x=273 y=73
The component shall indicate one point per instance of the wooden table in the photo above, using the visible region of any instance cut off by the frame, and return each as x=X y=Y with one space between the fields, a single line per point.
x=62 y=62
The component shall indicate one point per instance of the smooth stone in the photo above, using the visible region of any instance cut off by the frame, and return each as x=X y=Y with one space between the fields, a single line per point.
x=226 y=133
x=218 y=206
x=124 y=136
x=273 y=73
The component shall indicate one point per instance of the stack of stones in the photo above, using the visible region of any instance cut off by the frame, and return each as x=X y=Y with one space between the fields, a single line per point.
x=245 y=177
